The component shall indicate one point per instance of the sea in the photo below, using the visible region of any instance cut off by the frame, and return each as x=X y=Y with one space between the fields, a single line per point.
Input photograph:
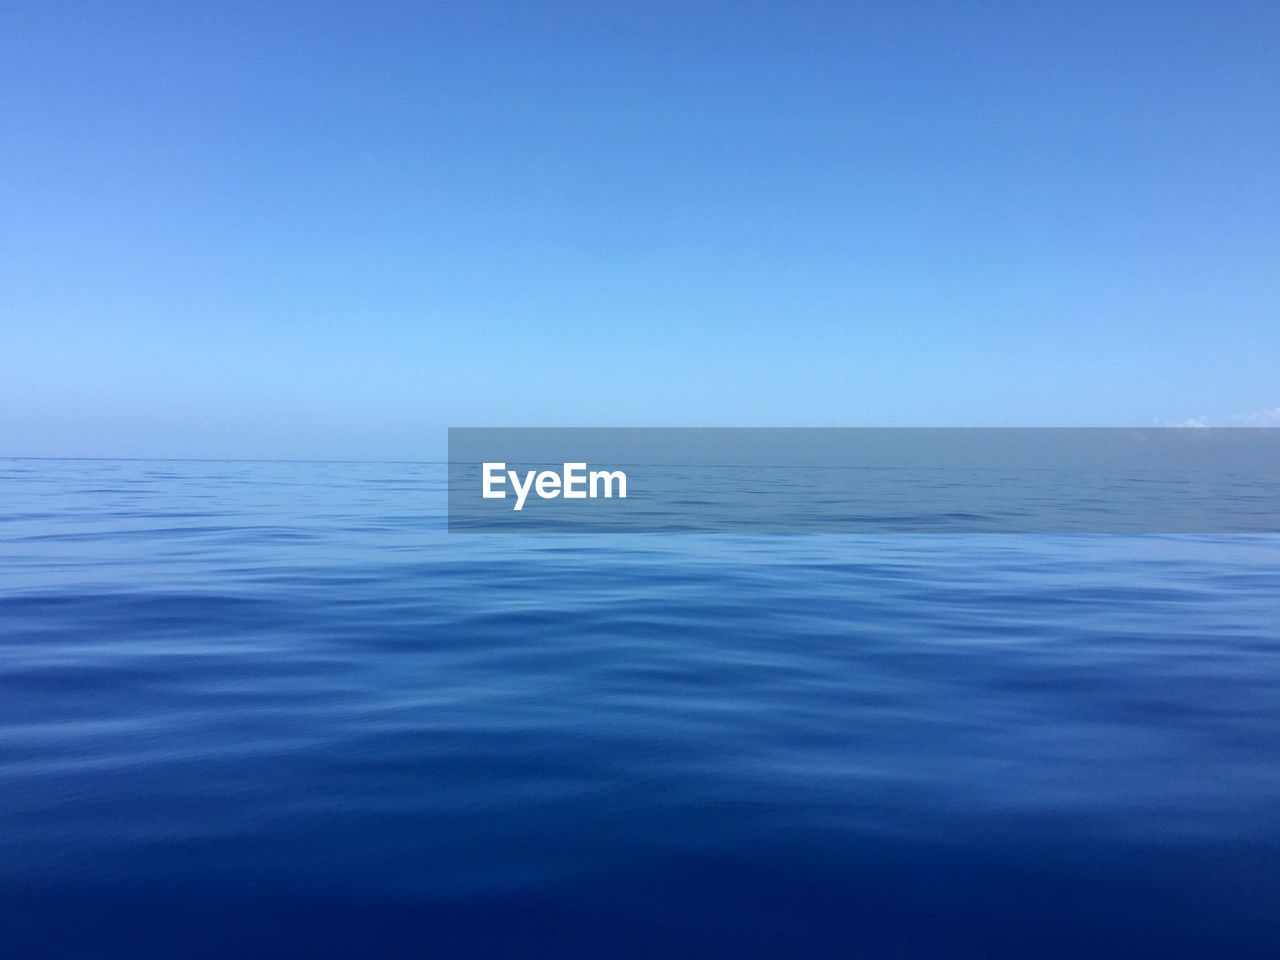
x=276 y=709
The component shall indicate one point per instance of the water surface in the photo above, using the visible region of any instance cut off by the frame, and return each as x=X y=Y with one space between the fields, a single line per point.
x=275 y=709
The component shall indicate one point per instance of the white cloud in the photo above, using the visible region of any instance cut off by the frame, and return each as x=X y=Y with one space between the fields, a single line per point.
x=1265 y=417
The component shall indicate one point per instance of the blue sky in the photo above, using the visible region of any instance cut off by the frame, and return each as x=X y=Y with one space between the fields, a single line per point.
x=333 y=230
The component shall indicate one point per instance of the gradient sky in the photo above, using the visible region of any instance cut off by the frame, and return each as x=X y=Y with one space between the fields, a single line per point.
x=332 y=230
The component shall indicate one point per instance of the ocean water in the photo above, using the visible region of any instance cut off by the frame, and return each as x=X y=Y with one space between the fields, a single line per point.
x=274 y=709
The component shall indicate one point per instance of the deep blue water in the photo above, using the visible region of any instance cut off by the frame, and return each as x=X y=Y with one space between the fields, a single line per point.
x=273 y=709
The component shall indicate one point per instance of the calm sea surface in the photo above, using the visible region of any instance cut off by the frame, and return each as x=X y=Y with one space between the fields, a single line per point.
x=274 y=709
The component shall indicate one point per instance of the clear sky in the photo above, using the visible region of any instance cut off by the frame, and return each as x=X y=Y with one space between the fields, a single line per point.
x=333 y=230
